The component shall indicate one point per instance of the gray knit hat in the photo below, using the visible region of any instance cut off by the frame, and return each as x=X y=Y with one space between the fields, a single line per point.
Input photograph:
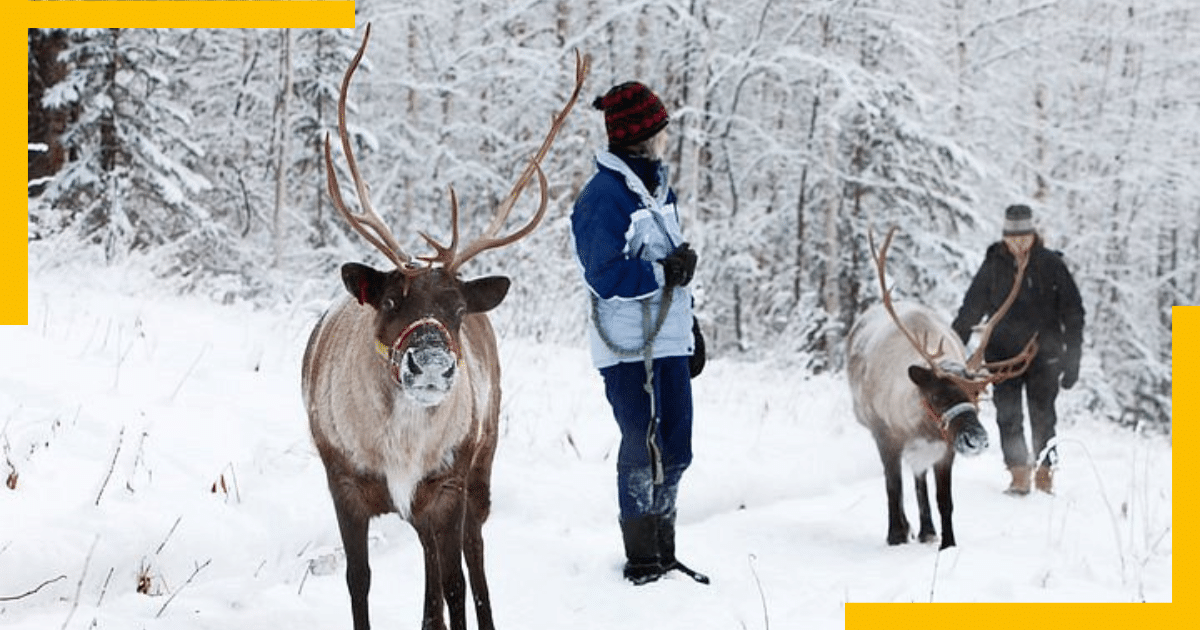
x=1018 y=220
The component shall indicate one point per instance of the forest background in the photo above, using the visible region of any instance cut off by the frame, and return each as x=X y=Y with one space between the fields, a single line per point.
x=797 y=128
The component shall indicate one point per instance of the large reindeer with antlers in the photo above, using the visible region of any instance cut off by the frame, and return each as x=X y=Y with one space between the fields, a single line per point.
x=921 y=414
x=402 y=385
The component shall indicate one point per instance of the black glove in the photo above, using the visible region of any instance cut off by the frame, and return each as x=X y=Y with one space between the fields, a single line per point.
x=679 y=266
x=698 y=358
x=1070 y=373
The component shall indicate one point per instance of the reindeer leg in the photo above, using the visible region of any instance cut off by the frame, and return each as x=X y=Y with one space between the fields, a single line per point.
x=927 y=533
x=897 y=521
x=438 y=512
x=356 y=499
x=450 y=552
x=477 y=510
x=889 y=454
x=941 y=476
x=431 y=618
x=353 y=526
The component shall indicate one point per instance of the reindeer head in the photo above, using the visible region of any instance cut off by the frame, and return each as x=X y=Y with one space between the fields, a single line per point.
x=420 y=306
x=950 y=390
x=952 y=409
x=417 y=322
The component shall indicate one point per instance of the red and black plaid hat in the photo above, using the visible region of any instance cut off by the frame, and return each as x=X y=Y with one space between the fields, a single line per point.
x=632 y=113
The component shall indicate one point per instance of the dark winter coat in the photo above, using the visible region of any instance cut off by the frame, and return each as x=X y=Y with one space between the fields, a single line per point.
x=1048 y=304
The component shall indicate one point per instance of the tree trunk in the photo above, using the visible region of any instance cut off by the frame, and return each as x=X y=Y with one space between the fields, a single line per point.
x=109 y=143
x=45 y=126
x=803 y=198
x=281 y=150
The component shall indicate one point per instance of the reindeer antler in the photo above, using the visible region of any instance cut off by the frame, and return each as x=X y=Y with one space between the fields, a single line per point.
x=489 y=240
x=976 y=380
x=975 y=362
x=922 y=347
x=369 y=224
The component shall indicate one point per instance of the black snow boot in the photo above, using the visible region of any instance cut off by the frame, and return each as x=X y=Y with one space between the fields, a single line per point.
x=666 y=549
x=641 y=553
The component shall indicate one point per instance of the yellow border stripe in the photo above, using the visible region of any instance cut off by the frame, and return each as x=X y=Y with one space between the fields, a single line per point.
x=227 y=14
x=1012 y=616
x=1185 y=375
x=14 y=218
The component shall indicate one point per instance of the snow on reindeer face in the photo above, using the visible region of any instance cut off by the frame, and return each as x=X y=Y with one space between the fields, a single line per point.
x=418 y=321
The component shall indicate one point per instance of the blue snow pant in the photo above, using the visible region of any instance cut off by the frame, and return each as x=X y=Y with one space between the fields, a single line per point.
x=624 y=384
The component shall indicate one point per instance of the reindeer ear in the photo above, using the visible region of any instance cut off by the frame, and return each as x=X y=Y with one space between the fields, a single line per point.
x=485 y=294
x=920 y=376
x=364 y=283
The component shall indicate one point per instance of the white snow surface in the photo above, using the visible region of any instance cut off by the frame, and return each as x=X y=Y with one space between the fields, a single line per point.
x=161 y=440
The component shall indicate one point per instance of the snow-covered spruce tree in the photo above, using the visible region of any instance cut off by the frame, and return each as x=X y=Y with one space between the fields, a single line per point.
x=129 y=184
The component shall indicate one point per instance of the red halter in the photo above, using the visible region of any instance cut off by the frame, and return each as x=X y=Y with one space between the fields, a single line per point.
x=394 y=352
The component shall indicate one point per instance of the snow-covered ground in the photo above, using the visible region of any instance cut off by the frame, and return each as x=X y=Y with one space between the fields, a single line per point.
x=158 y=443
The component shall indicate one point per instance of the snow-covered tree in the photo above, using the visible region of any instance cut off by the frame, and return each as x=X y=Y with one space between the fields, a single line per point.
x=130 y=183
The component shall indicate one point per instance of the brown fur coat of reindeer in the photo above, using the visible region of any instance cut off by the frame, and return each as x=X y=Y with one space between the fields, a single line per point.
x=921 y=414
x=401 y=381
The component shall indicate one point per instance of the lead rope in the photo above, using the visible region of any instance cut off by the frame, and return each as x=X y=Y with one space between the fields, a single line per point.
x=648 y=359
x=647 y=353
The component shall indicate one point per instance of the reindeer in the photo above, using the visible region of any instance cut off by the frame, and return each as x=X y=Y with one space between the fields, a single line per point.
x=922 y=414
x=401 y=381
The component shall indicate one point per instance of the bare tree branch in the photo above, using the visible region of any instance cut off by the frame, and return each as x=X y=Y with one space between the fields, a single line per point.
x=13 y=598
x=191 y=577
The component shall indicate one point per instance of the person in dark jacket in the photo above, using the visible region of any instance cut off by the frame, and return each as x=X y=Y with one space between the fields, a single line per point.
x=1050 y=306
x=637 y=267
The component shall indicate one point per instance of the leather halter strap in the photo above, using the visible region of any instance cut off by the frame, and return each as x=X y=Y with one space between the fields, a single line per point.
x=392 y=354
x=942 y=421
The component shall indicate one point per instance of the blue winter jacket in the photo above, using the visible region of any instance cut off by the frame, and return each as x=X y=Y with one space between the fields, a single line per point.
x=620 y=230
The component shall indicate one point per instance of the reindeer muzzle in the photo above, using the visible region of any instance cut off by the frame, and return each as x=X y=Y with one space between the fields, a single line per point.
x=423 y=361
x=970 y=438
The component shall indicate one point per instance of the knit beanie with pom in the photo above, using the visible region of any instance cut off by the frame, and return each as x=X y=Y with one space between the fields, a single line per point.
x=632 y=113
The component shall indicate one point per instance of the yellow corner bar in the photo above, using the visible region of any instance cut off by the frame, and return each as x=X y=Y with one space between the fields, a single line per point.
x=161 y=14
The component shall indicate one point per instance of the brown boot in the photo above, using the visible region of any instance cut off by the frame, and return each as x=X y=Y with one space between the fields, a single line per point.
x=1020 y=480
x=1044 y=479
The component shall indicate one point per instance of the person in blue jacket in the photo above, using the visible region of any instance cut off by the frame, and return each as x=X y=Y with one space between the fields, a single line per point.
x=637 y=267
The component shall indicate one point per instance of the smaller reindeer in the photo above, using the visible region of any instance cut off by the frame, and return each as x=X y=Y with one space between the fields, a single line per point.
x=921 y=414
